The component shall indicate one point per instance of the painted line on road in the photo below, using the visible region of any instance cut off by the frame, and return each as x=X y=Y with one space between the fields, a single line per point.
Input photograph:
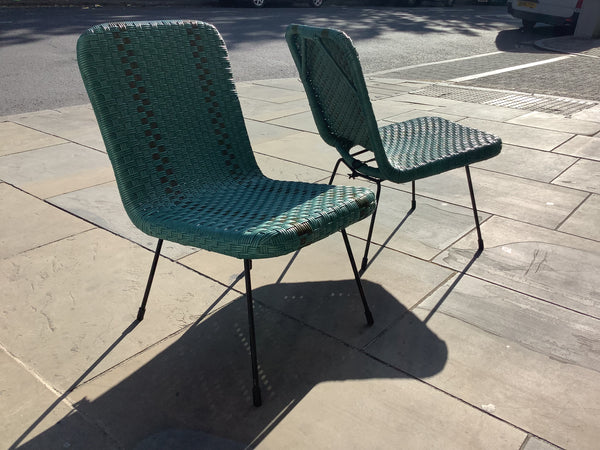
x=415 y=66
x=508 y=69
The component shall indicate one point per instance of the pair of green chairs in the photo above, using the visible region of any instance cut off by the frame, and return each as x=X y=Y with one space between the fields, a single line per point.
x=171 y=121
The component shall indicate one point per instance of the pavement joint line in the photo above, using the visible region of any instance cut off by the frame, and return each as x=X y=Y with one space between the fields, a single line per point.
x=37 y=376
x=577 y=208
x=446 y=392
x=509 y=69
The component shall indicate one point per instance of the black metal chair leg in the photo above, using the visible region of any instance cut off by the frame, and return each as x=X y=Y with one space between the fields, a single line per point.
x=479 y=238
x=335 y=169
x=256 y=397
x=365 y=259
x=368 y=314
x=413 y=203
x=142 y=309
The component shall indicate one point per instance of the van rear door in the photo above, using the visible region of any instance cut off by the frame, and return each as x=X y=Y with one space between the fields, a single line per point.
x=555 y=12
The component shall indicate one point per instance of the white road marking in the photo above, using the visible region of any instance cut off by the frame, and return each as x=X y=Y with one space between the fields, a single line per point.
x=509 y=69
x=383 y=72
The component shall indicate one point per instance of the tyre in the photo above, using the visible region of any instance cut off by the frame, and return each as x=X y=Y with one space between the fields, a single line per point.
x=257 y=3
x=315 y=3
x=448 y=2
x=528 y=25
x=412 y=2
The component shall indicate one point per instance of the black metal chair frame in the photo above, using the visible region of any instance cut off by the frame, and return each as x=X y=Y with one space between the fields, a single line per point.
x=256 y=391
x=354 y=174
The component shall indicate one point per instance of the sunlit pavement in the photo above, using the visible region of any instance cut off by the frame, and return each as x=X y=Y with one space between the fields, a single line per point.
x=496 y=351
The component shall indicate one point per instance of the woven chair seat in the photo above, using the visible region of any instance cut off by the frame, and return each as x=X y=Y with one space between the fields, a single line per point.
x=426 y=146
x=256 y=218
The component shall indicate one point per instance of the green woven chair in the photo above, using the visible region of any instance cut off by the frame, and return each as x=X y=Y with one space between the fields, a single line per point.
x=399 y=152
x=171 y=121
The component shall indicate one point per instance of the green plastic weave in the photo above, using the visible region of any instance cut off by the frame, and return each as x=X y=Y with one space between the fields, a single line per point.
x=166 y=104
x=332 y=76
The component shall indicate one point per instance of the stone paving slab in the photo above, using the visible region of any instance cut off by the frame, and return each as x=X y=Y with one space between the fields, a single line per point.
x=102 y=206
x=74 y=123
x=558 y=123
x=496 y=352
x=581 y=146
x=299 y=122
x=522 y=199
x=280 y=169
x=582 y=221
x=262 y=110
x=388 y=108
x=51 y=171
x=521 y=135
x=30 y=409
x=590 y=114
x=303 y=148
x=315 y=284
x=18 y=138
x=541 y=166
x=274 y=94
x=423 y=232
x=331 y=395
x=260 y=132
x=506 y=362
x=292 y=84
x=69 y=307
x=534 y=443
x=550 y=265
x=486 y=112
x=394 y=86
x=582 y=175
x=415 y=113
x=358 y=415
x=28 y=222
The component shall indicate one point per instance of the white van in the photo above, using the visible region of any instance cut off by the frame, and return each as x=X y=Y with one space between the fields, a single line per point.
x=553 y=12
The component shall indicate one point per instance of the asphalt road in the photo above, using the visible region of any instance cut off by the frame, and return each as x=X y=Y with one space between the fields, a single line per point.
x=38 y=67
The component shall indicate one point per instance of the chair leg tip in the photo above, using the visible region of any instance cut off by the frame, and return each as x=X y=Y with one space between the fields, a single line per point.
x=369 y=316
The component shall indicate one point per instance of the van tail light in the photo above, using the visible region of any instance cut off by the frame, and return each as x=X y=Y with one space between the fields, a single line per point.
x=579 y=4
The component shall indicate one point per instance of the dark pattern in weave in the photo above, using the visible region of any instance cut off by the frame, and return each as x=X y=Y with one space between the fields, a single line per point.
x=334 y=83
x=171 y=121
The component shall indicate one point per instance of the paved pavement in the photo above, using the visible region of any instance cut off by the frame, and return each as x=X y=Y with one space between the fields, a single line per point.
x=499 y=351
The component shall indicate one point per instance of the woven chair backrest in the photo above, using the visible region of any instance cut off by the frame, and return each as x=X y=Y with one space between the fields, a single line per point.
x=332 y=76
x=166 y=104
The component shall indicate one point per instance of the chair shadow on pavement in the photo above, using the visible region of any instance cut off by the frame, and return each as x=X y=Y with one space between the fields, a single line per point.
x=197 y=384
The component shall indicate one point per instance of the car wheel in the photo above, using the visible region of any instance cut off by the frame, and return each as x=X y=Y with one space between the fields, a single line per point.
x=257 y=3
x=413 y=2
x=449 y=3
x=315 y=3
x=528 y=25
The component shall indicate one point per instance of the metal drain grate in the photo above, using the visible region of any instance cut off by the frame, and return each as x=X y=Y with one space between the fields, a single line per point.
x=529 y=102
